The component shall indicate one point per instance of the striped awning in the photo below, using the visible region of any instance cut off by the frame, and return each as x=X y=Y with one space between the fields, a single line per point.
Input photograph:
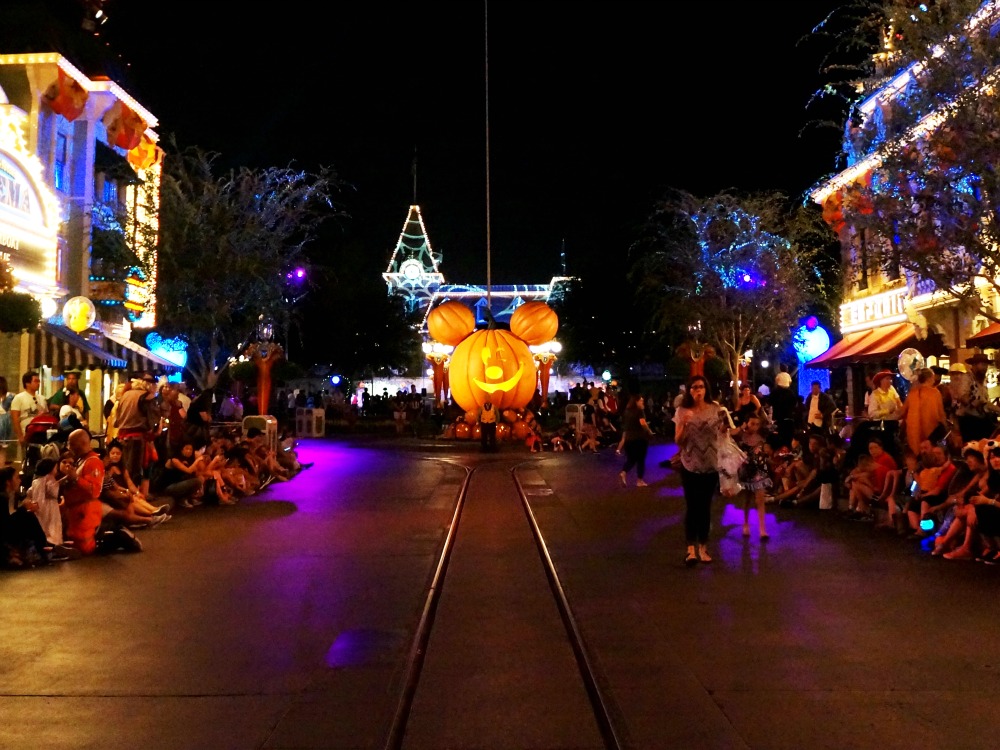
x=139 y=357
x=62 y=350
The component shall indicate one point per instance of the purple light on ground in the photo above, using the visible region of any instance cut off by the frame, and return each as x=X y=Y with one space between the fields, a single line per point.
x=334 y=466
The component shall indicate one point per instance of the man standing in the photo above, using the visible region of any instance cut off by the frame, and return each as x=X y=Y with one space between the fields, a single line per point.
x=61 y=397
x=27 y=405
x=819 y=410
x=488 y=426
x=783 y=403
x=136 y=422
x=977 y=416
x=84 y=481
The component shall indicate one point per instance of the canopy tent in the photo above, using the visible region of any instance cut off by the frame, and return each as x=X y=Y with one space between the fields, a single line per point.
x=988 y=337
x=877 y=345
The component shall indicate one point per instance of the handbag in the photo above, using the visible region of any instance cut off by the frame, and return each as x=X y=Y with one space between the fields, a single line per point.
x=730 y=459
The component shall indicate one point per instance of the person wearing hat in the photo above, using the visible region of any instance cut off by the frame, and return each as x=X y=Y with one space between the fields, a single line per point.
x=884 y=410
x=975 y=412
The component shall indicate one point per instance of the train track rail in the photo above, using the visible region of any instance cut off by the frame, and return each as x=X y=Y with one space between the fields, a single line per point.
x=604 y=715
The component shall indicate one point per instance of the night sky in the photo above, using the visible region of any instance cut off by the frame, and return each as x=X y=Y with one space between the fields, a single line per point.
x=594 y=109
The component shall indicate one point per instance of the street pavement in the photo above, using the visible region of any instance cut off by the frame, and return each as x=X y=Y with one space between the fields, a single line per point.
x=286 y=621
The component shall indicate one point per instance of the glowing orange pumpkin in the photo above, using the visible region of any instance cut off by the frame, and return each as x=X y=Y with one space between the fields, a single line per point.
x=534 y=322
x=520 y=429
x=492 y=363
x=462 y=430
x=503 y=430
x=450 y=322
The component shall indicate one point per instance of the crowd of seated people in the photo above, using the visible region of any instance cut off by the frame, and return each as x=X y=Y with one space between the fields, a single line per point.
x=69 y=502
x=925 y=466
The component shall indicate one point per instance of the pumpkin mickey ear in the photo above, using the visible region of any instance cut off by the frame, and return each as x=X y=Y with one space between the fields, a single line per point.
x=450 y=322
x=534 y=323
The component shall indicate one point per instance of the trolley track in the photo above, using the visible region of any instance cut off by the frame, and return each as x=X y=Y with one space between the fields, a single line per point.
x=604 y=716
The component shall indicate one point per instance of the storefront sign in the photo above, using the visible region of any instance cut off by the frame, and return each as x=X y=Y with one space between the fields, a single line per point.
x=26 y=240
x=868 y=312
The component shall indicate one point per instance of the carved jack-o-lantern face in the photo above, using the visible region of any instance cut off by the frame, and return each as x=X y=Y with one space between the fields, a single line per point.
x=494 y=364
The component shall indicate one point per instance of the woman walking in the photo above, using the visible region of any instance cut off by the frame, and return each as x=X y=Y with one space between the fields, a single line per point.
x=699 y=423
x=635 y=440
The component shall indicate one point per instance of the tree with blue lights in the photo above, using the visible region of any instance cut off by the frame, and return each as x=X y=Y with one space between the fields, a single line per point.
x=924 y=143
x=733 y=272
x=230 y=251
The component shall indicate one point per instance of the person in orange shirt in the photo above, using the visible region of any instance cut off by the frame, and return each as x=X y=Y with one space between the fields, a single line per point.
x=923 y=416
x=82 y=509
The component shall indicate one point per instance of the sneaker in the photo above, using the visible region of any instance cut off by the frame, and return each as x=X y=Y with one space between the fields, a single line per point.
x=158 y=519
x=162 y=509
x=640 y=483
x=621 y=478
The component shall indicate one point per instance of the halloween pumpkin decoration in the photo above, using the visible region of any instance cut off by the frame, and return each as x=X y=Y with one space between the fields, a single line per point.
x=450 y=322
x=534 y=322
x=494 y=363
x=472 y=416
x=520 y=429
x=503 y=431
x=462 y=430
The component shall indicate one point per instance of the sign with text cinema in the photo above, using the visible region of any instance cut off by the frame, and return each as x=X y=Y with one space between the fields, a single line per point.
x=26 y=241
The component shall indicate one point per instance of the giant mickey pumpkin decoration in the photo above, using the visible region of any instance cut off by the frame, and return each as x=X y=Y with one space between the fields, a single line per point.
x=493 y=363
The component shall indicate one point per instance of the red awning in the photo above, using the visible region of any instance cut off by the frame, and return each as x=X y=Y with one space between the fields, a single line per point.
x=866 y=346
x=989 y=336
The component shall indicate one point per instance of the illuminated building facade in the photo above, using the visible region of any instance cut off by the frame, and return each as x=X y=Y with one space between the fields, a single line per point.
x=887 y=308
x=79 y=187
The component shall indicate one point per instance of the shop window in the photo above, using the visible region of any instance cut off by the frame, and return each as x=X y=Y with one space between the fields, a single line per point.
x=110 y=194
x=61 y=175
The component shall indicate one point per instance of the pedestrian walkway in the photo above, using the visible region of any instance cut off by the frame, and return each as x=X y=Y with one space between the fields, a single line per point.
x=286 y=621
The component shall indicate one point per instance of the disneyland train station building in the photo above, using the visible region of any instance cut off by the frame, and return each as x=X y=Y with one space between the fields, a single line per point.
x=414 y=274
x=75 y=155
